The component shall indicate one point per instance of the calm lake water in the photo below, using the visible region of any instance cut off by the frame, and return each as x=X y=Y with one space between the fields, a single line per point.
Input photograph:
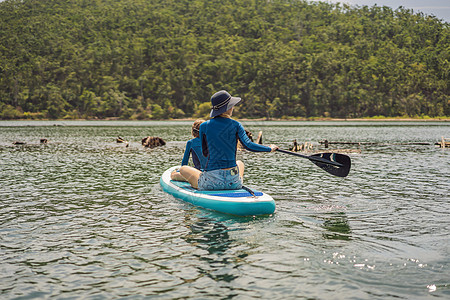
x=85 y=217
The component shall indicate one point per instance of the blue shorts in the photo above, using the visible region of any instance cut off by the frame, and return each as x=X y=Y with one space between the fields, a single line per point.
x=220 y=180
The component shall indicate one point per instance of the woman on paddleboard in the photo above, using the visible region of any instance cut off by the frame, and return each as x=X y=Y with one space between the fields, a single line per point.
x=194 y=149
x=219 y=137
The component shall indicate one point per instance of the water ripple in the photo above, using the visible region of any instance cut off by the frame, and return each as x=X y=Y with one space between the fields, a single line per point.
x=85 y=217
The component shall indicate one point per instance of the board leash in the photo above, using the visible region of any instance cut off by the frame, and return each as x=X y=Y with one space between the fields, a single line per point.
x=249 y=190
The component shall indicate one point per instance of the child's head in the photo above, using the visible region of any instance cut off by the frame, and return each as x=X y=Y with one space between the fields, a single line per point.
x=196 y=127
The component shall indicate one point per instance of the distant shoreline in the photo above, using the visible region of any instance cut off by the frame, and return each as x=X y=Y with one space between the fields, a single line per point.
x=353 y=120
x=314 y=119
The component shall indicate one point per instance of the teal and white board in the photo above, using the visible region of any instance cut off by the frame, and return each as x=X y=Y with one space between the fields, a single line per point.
x=236 y=202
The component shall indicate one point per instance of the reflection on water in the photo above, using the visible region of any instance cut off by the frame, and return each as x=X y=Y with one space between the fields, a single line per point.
x=212 y=236
x=209 y=235
x=84 y=217
x=337 y=227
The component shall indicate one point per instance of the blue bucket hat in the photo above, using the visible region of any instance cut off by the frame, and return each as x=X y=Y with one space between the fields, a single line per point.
x=221 y=102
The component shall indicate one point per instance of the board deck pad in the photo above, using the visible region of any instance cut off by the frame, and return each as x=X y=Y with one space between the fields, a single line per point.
x=221 y=193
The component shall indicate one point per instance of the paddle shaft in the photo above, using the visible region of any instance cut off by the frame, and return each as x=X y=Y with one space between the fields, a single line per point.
x=313 y=158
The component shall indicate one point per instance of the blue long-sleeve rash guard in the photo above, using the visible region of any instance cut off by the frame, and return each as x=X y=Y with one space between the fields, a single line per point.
x=194 y=146
x=219 y=138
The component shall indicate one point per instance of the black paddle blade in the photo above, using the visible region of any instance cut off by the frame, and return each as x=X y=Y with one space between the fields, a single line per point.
x=343 y=160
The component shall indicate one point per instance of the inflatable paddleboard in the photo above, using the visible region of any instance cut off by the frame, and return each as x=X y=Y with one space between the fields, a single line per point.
x=236 y=202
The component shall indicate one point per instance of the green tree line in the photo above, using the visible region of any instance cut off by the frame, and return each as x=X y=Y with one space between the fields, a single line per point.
x=158 y=59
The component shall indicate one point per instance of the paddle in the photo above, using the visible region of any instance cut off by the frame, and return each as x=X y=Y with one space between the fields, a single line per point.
x=334 y=163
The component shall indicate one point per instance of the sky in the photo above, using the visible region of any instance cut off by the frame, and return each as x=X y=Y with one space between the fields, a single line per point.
x=438 y=8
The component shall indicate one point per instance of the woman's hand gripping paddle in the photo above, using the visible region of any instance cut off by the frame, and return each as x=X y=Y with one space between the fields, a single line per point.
x=334 y=163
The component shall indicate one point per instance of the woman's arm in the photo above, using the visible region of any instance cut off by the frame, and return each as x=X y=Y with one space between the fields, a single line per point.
x=248 y=144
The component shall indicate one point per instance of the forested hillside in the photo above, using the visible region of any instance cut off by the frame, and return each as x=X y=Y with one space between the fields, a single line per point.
x=155 y=59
